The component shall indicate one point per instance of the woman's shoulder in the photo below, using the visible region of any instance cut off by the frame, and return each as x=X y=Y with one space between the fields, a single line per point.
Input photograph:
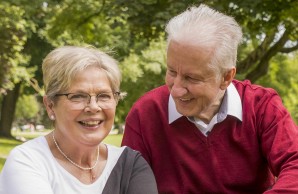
x=32 y=155
x=35 y=145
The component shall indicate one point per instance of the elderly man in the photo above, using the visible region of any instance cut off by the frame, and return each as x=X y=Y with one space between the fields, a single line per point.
x=204 y=131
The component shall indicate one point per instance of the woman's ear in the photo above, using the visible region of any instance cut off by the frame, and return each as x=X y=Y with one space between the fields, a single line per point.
x=49 y=104
x=228 y=78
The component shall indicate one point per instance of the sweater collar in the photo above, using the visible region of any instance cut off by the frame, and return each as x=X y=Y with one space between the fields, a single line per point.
x=232 y=105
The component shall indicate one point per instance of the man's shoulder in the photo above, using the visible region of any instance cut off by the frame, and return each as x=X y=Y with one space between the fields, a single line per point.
x=247 y=88
x=158 y=90
x=155 y=98
x=159 y=93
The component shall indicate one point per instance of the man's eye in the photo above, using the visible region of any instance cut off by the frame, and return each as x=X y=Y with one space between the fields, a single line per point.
x=193 y=80
x=104 y=96
x=171 y=72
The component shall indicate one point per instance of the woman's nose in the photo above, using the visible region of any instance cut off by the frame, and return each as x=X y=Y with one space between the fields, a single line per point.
x=93 y=105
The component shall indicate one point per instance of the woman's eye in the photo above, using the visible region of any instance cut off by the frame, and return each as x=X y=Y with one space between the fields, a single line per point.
x=75 y=97
x=104 y=96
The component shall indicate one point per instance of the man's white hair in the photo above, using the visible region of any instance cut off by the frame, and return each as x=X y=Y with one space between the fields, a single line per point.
x=204 y=27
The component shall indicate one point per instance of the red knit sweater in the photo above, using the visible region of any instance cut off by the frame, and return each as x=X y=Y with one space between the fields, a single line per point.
x=236 y=157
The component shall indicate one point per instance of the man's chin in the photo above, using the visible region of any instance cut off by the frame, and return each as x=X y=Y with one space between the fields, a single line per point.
x=184 y=112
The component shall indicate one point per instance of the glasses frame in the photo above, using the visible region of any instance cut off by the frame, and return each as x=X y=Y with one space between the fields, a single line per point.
x=115 y=94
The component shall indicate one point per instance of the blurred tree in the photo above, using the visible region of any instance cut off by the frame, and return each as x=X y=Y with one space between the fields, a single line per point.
x=22 y=47
x=142 y=72
x=283 y=78
x=13 y=36
x=79 y=22
x=129 y=27
x=270 y=27
x=27 y=110
x=135 y=31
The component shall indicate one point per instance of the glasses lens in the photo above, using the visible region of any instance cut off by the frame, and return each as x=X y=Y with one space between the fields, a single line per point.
x=78 y=97
x=106 y=100
x=105 y=105
x=104 y=97
x=81 y=100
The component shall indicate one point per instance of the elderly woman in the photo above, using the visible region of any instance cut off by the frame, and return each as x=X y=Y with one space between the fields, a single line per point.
x=82 y=91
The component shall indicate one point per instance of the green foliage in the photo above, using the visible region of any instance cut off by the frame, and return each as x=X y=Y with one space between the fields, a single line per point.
x=152 y=59
x=13 y=36
x=283 y=78
x=77 y=22
x=135 y=31
x=113 y=140
x=142 y=73
x=6 y=146
x=270 y=27
x=147 y=18
x=27 y=109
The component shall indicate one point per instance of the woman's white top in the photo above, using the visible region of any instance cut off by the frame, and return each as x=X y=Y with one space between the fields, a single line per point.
x=33 y=166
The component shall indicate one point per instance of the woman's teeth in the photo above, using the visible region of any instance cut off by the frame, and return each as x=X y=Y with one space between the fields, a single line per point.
x=90 y=123
x=184 y=99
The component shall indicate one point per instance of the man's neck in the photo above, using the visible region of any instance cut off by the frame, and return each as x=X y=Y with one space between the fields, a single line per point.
x=207 y=115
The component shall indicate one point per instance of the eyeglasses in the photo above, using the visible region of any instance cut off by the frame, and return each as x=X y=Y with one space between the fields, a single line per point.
x=105 y=100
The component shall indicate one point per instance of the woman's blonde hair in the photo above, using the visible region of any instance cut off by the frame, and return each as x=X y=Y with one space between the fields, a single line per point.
x=62 y=64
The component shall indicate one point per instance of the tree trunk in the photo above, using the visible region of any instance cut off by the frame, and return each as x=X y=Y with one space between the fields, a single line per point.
x=263 y=65
x=8 y=109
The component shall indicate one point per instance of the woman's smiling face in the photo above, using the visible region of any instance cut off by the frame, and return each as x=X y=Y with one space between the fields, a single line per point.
x=90 y=124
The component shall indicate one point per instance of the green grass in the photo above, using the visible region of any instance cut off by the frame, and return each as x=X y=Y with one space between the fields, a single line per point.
x=6 y=145
x=30 y=135
x=113 y=140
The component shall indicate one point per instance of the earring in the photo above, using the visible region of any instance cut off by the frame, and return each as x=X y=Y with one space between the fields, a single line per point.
x=52 y=117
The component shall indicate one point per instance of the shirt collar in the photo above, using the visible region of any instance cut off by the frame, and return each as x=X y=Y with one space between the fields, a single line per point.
x=173 y=113
x=234 y=102
x=232 y=105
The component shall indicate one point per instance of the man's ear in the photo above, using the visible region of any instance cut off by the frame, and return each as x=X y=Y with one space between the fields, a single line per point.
x=227 y=78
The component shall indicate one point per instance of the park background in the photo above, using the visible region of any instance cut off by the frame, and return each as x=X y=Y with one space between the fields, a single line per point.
x=132 y=31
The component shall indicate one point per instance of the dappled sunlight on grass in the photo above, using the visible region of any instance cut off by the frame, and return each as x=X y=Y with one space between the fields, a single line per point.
x=113 y=139
x=2 y=161
x=6 y=145
x=29 y=135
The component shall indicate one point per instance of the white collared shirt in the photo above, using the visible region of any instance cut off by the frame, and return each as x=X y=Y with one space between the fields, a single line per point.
x=231 y=105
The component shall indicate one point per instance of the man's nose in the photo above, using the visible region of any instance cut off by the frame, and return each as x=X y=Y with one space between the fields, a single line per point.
x=179 y=87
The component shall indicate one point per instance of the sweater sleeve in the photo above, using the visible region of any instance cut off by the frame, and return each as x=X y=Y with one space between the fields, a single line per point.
x=279 y=141
x=21 y=175
x=132 y=136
